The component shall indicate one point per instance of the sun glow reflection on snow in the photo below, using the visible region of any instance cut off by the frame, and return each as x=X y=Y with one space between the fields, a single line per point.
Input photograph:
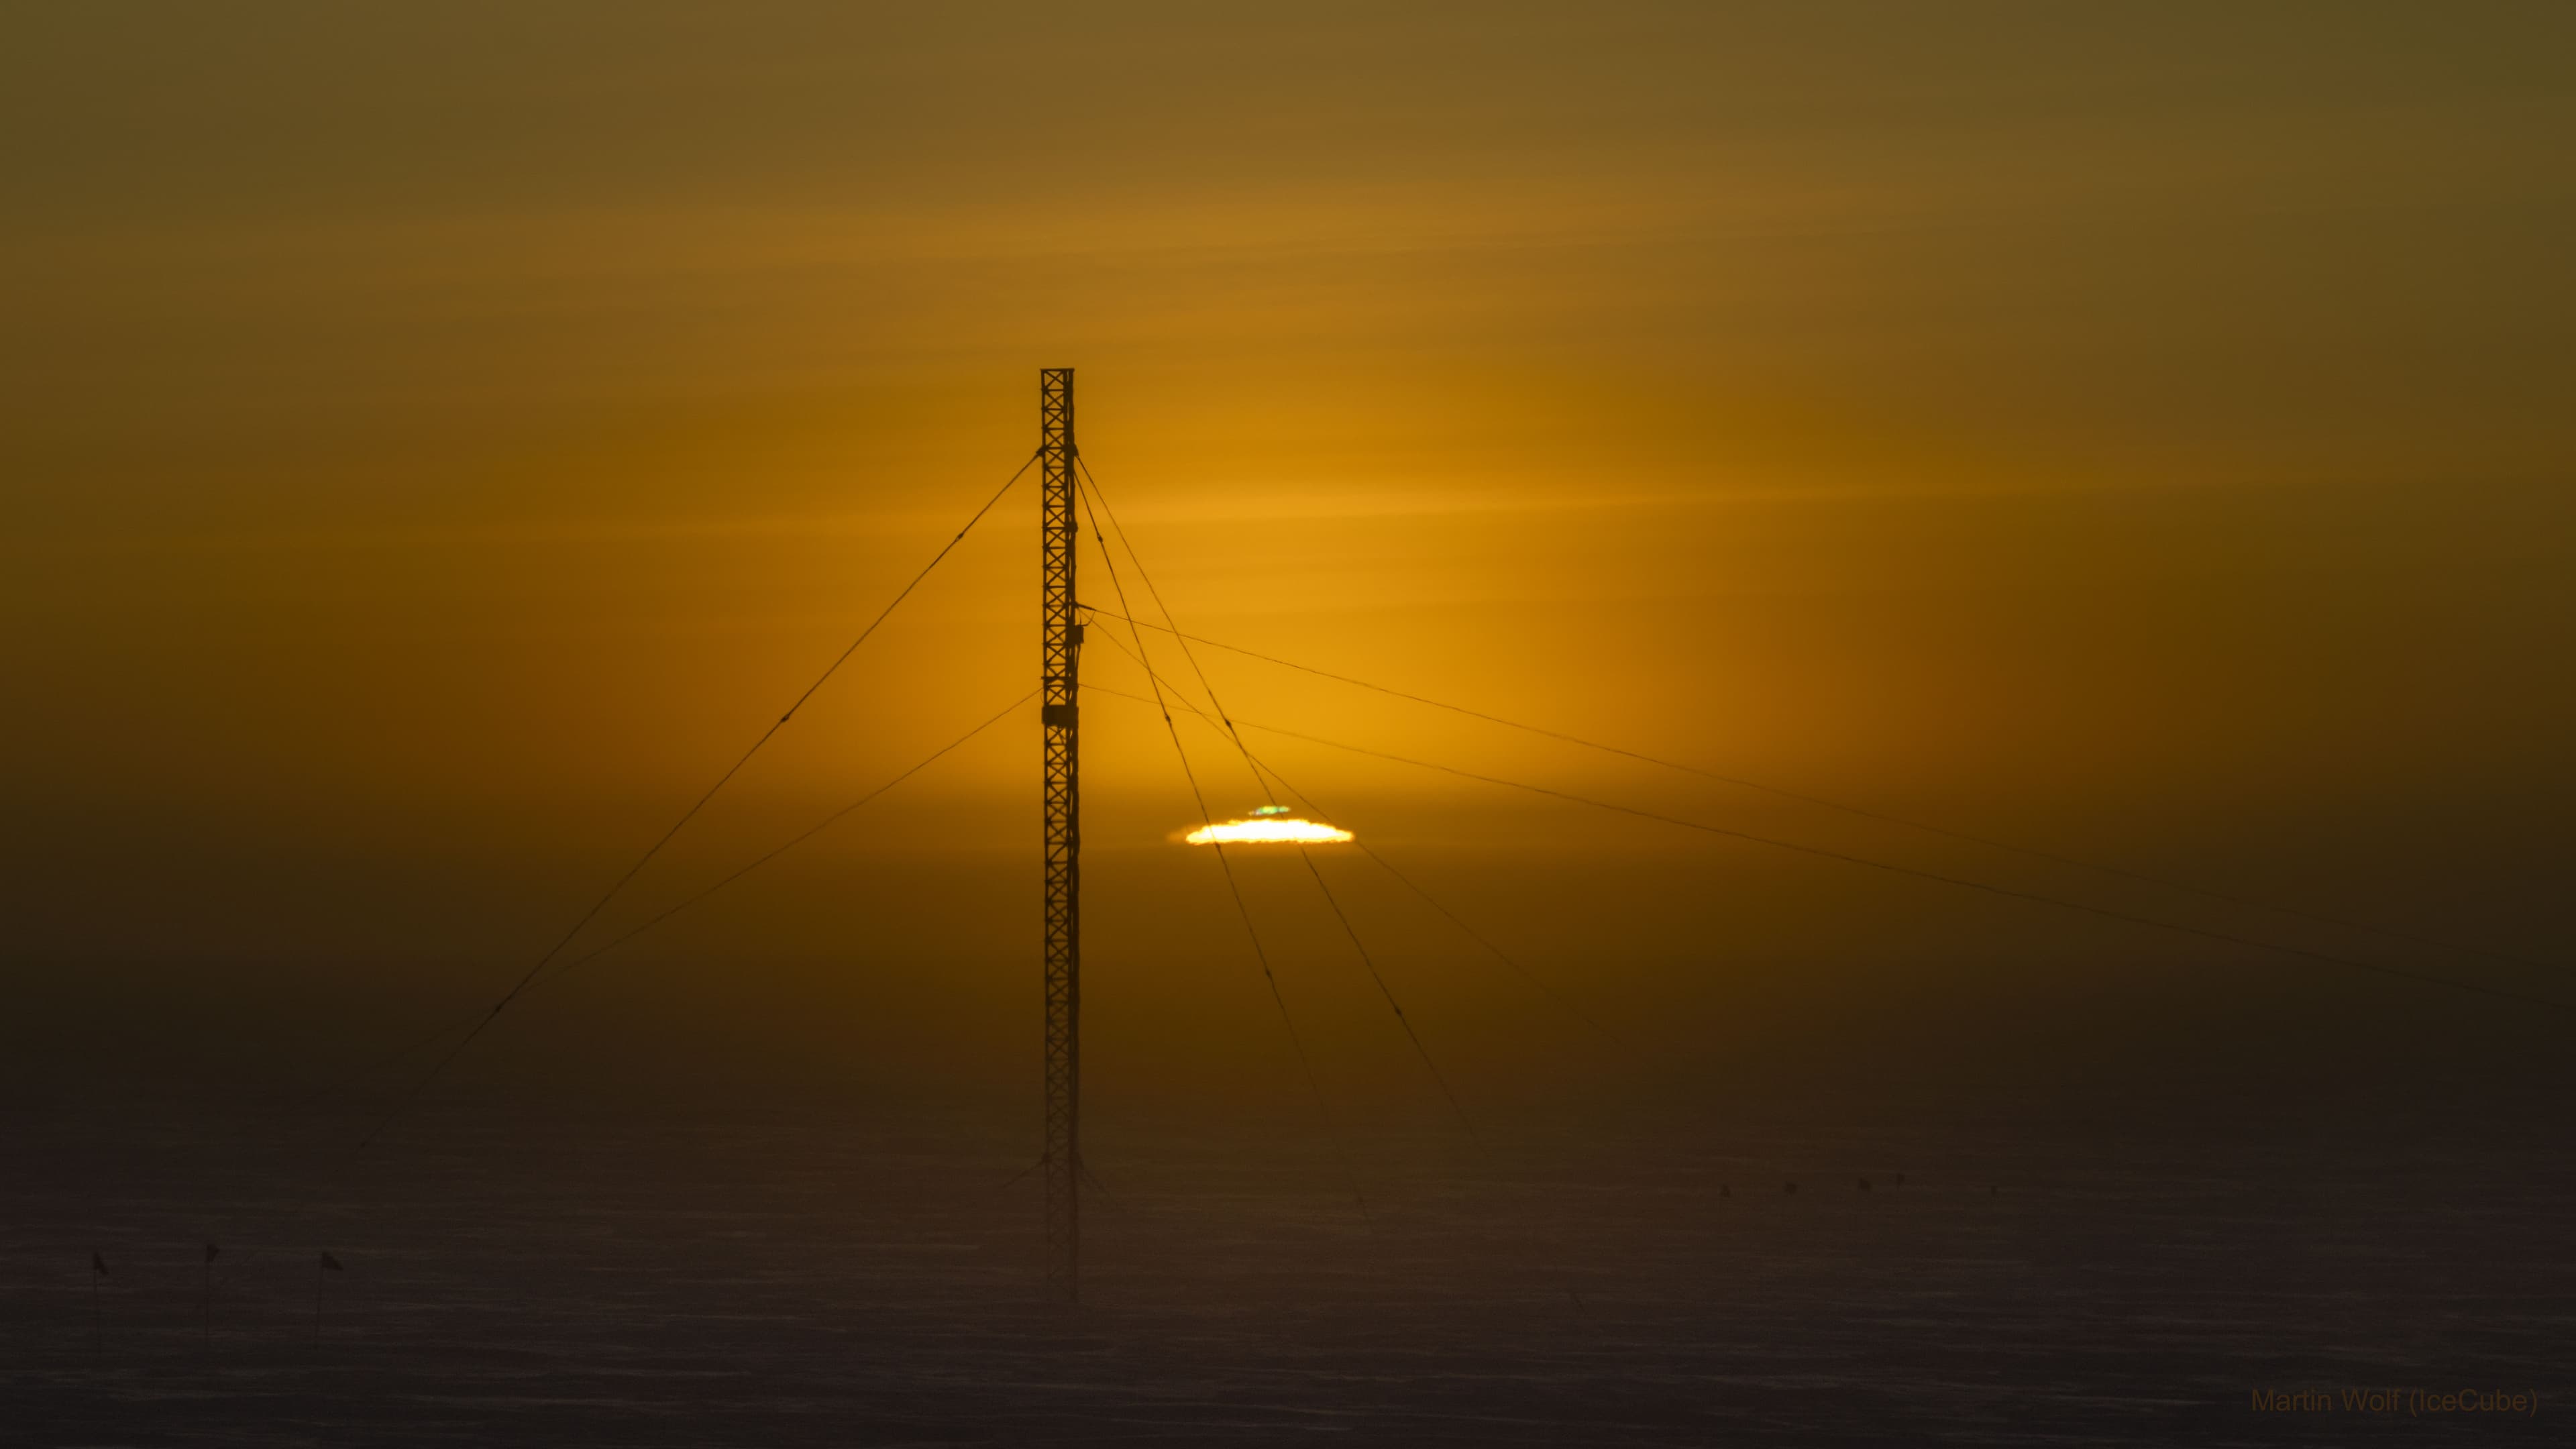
x=1270 y=828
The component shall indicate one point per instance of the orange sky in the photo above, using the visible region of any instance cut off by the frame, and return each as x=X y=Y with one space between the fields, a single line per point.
x=438 y=438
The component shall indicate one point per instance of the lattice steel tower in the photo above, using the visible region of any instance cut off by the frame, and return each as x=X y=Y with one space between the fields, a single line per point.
x=1061 y=654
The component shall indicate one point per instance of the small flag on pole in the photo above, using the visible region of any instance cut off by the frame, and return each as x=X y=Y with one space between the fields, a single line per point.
x=331 y=1263
x=211 y=1251
x=97 y=1264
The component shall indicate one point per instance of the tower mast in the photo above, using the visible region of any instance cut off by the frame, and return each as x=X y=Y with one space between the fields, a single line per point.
x=1060 y=654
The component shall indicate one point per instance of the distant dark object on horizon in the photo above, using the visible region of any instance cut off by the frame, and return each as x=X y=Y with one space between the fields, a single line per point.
x=1900 y=1180
x=1724 y=1191
x=1864 y=1184
x=322 y=1272
x=97 y=1264
x=1792 y=1189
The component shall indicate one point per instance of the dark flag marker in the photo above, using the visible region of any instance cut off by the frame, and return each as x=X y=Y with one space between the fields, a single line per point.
x=209 y=1320
x=1791 y=1189
x=97 y=1275
x=1724 y=1191
x=321 y=1271
x=1864 y=1184
x=1900 y=1179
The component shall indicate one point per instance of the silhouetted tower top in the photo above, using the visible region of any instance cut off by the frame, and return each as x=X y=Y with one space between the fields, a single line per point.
x=1060 y=652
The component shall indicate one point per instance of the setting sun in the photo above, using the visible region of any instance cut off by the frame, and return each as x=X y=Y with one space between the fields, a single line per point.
x=1940 y=614
x=1268 y=828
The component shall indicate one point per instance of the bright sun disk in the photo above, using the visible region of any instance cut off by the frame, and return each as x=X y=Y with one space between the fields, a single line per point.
x=1267 y=829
